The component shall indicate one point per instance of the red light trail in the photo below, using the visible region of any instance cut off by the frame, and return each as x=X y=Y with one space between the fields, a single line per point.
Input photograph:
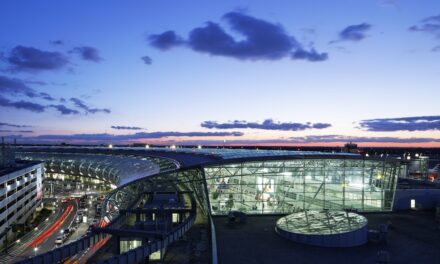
x=52 y=229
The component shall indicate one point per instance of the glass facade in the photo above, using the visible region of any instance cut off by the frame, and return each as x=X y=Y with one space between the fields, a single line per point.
x=286 y=186
x=251 y=181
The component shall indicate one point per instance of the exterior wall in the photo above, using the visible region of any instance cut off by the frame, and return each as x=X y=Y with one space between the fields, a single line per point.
x=349 y=239
x=286 y=186
x=417 y=168
x=424 y=198
x=20 y=194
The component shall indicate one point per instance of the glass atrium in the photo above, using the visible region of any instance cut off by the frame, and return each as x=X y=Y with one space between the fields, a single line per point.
x=286 y=186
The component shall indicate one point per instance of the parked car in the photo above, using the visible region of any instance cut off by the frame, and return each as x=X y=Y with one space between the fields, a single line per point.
x=68 y=231
x=59 y=240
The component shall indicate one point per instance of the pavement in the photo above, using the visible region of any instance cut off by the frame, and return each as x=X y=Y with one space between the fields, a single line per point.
x=413 y=237
x=84 y=255
x=81 y=229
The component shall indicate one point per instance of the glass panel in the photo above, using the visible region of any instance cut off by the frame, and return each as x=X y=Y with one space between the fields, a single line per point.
x=304 y=184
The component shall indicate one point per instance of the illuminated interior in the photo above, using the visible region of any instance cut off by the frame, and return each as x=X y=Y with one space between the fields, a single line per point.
x=288 y=186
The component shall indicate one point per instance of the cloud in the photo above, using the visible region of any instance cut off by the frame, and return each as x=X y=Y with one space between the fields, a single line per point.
x=416 y=123
x=353 y=33
x=39 y=108
x=88 y=53
x=393 y=3
x=341 y=138
x=136 y=136
x=47 y=97
x=267 y=124
x=16 y=131
x=165 y=40
x=22 y=58
x=14 y=86
x=37 y=82
x=314 y=139
x=429 y=25
x=12 y=125
x=88 y=110
x=35 y=107
x=65 y=110
x=127 y=128
x=262 y=40
x=147 y=60
x=57 y=42
x=26 y=105
x=311 y=55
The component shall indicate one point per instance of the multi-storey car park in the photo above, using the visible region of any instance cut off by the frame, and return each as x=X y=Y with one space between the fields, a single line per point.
x=176 y=185
x=20 y=192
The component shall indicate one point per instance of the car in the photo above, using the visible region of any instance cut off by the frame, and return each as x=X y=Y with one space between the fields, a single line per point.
x=68 y=231
x=59 y=240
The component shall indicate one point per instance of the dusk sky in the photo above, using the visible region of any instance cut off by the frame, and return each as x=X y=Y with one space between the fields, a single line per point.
x=201 y=72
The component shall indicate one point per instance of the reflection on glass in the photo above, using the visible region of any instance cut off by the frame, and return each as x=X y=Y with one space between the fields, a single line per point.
x=295 y=185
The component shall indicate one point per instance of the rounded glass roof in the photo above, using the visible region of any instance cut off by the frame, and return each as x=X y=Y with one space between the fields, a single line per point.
x=321 y=222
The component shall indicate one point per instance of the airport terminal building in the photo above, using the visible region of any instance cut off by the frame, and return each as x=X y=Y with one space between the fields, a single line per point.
x=251 y=181
x=220 y=180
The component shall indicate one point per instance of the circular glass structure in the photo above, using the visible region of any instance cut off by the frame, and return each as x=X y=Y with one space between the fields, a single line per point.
x=324 y=228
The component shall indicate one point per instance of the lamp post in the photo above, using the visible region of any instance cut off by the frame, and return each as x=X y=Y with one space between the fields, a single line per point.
x=35 y=250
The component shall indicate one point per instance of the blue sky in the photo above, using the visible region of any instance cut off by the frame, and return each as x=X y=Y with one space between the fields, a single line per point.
x=265 y=73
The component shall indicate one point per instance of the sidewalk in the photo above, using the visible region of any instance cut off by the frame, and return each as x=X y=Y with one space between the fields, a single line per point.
x=81 y=228
x=79 y=232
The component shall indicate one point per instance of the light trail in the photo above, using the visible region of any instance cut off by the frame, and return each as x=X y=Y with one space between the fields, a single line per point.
x=40 y=239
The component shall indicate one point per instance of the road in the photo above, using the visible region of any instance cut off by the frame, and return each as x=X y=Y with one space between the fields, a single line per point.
x=46 y=241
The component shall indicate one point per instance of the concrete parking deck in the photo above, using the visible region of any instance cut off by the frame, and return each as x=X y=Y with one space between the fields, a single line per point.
x=413 y=237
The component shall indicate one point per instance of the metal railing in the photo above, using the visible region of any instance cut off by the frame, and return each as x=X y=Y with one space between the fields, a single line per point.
x=65 y=251
x=140 y=254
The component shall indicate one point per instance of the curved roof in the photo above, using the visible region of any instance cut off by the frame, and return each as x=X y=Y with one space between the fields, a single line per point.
x=119 y=170
x=226 y=153
x=187 y=157
x=122 y=165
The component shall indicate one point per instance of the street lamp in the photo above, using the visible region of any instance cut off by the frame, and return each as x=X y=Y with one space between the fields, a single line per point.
x=35 y=250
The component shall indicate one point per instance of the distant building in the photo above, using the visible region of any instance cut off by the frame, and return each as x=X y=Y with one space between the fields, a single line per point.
x=350 y=148
x=7 y=157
